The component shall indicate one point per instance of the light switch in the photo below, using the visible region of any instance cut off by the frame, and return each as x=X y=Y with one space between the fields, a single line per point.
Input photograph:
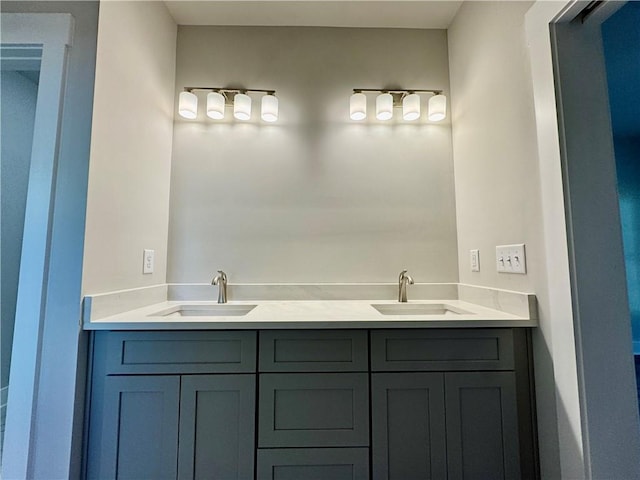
x=511 y=259
x=148 y=261
x=475 y=260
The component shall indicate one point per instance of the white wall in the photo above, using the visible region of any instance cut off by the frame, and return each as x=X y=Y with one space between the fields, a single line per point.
x=314 y=197
x=500 y=199
x=494 y=143
x=128 y=199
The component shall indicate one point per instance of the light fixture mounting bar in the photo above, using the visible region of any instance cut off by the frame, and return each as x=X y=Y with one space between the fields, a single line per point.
x=230 y=90
x=396 y=91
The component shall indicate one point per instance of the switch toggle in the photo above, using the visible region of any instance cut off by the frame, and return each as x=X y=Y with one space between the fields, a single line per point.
x=511 y=259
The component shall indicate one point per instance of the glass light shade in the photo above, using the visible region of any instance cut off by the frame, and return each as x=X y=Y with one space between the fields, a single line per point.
x=411 y=107
x=188 y=105
x=437 y=108
x=358 y=106
x=242 y=106
x=215 y=105
x=269 y=108
x=384 y=106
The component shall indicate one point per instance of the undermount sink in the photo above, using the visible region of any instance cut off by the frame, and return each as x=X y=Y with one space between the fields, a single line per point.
x=418 y=309
x=222 y=310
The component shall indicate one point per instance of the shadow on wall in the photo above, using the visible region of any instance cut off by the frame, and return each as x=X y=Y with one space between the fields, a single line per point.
x=621 y=38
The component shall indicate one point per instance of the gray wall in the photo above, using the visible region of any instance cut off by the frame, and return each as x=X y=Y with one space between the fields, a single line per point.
x=18 y=109
x=314 y=197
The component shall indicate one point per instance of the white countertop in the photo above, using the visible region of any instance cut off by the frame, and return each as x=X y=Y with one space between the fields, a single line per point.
x=309 y=314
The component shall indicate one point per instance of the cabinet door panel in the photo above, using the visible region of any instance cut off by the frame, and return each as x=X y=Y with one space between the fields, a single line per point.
x=408 y=440
x=217 y=427
x=138 y=435
x=314 y=351
x=482 y=426
x=314 y=410
x=450 y=349
x=313 y=464
x=178 y=352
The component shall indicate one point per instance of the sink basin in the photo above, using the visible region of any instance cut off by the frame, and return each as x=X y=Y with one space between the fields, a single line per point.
x=222 y=310
x=419 y=309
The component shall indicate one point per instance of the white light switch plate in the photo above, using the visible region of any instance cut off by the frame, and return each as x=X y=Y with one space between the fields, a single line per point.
x=511 y=259
x=148 y=261
x=475 y=260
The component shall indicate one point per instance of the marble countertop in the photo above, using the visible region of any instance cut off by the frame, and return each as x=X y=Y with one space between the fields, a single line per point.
x=309 y=314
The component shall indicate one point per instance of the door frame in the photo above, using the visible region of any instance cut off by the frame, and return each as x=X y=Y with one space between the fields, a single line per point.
x=54 y=33
x=592 y=348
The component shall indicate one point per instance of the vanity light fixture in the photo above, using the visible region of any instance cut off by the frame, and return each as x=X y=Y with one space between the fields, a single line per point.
x=188 y=105
x=269 y=108
x=219 y=98
x=358 y=106
x=409 y=100
x=437 y=108
x=384 y=106
x=242 y=106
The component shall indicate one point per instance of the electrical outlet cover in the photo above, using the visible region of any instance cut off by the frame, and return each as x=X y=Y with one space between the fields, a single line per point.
x=475 y=260
x=148 y=260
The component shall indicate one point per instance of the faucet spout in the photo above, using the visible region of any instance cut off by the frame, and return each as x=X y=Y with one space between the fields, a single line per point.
x=403 y=280
x=221 y=281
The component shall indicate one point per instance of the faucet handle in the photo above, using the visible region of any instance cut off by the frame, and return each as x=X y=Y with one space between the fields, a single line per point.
x=403 y=276
x=221 y=277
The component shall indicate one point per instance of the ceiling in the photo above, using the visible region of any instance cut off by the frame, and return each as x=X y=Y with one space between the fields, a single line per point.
x=310 y=13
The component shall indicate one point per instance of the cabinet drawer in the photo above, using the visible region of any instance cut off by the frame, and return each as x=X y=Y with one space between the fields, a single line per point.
x=313 y=463
x=313 y=351
x=442 y=349
x=313 y=410
x=178 y=352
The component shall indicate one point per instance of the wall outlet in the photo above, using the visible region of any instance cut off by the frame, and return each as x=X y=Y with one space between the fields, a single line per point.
x=511 y=259
x=148 y=261
x=475 y=260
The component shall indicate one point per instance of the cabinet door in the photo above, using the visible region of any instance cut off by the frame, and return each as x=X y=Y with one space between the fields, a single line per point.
x=137 y=437
x=217 y=427
x=313 y=464
x=482 y=426
x=408 y=426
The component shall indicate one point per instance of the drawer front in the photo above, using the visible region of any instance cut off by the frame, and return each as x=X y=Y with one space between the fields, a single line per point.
x=442 y=349
x=313 y=351
x=178 y=352
x=313 y=464
x=314 y=410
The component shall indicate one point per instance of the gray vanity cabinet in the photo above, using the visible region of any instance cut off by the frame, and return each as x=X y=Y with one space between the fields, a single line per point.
x=313 y=464
x=314 y=393
x=408 y=428
x=217 y=427
x=457 y=405
x=398 y=404
x=482 y=426
x=154 y=414
x=136 y=428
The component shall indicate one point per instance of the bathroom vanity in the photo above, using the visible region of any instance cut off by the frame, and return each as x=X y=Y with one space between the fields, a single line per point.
x=383 y=398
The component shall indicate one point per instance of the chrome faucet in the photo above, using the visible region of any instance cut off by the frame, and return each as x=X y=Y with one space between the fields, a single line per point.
x=221 y=281
x=403 y=280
